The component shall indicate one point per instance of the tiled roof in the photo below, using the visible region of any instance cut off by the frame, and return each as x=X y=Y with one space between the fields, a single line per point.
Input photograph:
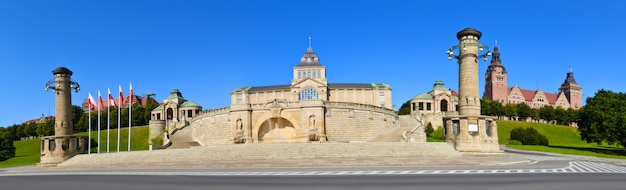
x=551 y=97
x=309 y=58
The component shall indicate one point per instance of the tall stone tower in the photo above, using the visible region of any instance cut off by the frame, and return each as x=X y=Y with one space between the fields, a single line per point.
x=469 y=131
x=496 y=87
x=62 y=146
x=572 y=91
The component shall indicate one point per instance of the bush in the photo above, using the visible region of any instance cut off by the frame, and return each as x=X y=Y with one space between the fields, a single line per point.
x=429 y=129
x=528 y=136
x=514 y=142
x=157 y=141
x=438 y=134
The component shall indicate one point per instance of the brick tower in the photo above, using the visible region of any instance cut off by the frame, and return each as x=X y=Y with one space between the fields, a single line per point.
x=469 y=131
x=572 y=91
x=63 y=145
x=496 y=87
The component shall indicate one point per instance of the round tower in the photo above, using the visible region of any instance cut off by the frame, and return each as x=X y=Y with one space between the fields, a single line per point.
x=63 y=145
x=63 y=124
x=469 y=96
x=470 y=132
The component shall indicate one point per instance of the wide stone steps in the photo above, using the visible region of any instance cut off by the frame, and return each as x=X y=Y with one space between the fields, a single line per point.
x=268 y=151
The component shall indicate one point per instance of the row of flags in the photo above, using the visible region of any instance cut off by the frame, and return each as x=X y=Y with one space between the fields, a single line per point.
x=111 y=102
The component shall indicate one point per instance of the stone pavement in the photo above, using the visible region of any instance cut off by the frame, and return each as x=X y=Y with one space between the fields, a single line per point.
x=291 y=155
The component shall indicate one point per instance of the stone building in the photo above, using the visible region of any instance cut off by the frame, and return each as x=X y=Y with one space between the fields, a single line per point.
x=497 y=89
x=307 y=109
x=436 y=104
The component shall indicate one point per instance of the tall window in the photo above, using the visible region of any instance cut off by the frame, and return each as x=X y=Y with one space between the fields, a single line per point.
x=319 y=74
x=381 y=94
x=308 y=94
x=299 y=74
x=239 y=97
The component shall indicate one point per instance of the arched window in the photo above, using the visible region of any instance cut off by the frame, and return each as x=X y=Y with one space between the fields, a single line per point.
x=308 y=94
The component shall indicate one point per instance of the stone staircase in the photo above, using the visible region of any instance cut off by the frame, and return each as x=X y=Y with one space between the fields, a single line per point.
x=395 y=134
x=181 y=138
x=267 y=151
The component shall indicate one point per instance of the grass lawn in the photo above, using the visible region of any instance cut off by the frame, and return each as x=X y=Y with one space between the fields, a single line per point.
x=27 y=152
x=563 y=139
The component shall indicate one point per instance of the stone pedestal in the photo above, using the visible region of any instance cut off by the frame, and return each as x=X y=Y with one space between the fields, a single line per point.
x=478 y=134
x=56 y=149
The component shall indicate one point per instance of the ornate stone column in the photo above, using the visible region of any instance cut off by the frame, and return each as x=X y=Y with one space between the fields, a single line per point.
x=469 y=131
x=63 y=145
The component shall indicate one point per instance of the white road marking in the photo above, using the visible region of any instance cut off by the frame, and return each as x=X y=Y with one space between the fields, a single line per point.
x=574 y=167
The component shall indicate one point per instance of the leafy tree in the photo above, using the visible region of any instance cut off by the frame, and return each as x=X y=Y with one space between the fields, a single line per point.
x=405 y=109
x=77 y=113
x=45 y=128
x=7 y=150
x=547 y=113
x=429 y=129
x=603 y=118
x=510 y=110
x=524 y=111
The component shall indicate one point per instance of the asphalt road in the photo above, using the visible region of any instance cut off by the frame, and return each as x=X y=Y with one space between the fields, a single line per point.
x=569 y=181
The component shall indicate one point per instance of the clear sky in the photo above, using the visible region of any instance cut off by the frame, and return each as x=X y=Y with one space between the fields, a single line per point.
x=208 y=48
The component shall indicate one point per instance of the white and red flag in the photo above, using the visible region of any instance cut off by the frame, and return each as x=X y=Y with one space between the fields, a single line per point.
x=111 y=100
x=92 y=102
x=130 y=101
x=121 y=97
x=100 y=103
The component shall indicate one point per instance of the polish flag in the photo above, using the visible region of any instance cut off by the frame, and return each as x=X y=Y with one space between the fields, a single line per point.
x=100 y=104
x=111 y=101
x=130 y=101
x=92 y=102
x=121 y=97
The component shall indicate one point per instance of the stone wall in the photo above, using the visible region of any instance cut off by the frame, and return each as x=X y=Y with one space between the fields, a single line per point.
x=340 y=122
x=347 y=122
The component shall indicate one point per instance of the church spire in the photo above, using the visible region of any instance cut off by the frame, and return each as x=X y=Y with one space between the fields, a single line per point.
x=495 y=58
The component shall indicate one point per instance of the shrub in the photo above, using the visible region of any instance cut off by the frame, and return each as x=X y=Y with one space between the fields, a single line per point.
x=438 y=134
x=157 y=141
x=529 y=136
x=429 y=129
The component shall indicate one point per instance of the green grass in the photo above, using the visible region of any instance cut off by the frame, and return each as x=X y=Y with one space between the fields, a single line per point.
x=28 y=152
x=563 y=140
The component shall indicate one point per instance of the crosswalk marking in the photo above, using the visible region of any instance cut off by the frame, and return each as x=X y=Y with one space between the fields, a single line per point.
x=574 y=167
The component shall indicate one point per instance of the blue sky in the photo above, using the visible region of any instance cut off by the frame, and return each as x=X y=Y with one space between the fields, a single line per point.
x=208 y=48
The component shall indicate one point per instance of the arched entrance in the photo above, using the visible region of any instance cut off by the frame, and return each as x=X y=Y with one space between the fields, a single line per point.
x=169 y=114
x=277 y=130
x=443 y=105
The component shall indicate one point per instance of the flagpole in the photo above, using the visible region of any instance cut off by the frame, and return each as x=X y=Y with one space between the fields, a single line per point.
x=89 y=129
x=108 y=122
x=119 y=112
x=99 y=108
x=130 y=113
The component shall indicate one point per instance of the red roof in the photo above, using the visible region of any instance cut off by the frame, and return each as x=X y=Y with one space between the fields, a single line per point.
x=551 y=97
x=453 y=93
x=528 y=94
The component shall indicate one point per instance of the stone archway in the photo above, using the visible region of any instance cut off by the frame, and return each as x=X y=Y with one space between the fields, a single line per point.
x=169 y=114
x=277 y=130
x=443 y=105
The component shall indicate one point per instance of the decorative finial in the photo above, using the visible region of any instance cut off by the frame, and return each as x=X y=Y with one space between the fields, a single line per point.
x=570 y=68
x=309 y=41
x=496 y=43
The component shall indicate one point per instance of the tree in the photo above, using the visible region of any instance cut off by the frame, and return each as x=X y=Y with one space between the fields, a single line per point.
x=405 y=109
x=547 y=113
x=524 y=111
x=510 y=110
x=603 y=118
x=7 y=150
